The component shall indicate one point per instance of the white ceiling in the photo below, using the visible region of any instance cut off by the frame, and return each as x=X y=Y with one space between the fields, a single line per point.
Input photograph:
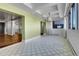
x=45 y=10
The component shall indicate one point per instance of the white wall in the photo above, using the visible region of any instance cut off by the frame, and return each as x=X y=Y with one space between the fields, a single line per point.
x=15 y=26
x=8 y=27
x=48 y=25
x=73 y=36
x=51 y=31
x=11 y=27
x=66 y=22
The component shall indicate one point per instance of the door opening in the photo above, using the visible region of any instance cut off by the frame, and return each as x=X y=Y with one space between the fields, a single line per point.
x=11 y=28
x=42 y=24
x=2 y=27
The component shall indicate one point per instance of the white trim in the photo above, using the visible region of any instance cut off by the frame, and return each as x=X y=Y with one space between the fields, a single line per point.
x=28 y=40
x=67 y=8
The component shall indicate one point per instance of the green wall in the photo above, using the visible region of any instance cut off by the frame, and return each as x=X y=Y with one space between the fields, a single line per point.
x=31 y=23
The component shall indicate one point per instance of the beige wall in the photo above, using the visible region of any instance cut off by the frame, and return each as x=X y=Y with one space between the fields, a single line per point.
x=31 y=23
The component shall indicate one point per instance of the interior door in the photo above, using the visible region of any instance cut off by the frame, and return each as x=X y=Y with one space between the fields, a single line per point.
x=42 y=27
x=2 y=27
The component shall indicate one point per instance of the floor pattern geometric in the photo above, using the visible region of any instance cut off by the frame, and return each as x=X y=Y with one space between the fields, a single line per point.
x=42 y=46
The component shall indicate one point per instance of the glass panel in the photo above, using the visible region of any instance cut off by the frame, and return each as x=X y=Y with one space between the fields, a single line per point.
x=73 y=17
x=58 y=24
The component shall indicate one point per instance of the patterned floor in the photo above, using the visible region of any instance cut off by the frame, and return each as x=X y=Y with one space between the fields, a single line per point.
x=43 y=46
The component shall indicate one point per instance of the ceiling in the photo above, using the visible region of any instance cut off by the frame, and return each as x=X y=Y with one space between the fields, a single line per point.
x=5 y=15
x=44 y=10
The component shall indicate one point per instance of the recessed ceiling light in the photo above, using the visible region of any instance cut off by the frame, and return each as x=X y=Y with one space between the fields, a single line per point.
x=38 y=12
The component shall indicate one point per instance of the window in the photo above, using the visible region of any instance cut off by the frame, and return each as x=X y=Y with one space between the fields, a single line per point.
x=58 y=24
x=73 y=17
x=69 y=21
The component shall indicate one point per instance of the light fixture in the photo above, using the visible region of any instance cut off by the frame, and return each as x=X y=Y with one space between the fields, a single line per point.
x=38 y=12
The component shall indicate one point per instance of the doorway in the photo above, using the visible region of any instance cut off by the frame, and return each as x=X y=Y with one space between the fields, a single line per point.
x=11 y=28
x=43 y=27
x=2 y=27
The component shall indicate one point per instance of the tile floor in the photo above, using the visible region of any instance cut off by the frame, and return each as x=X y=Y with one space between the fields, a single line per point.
x=42 y=46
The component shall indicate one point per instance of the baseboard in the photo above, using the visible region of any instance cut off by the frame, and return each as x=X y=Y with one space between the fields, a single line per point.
x=73 y=50
x=28 y=40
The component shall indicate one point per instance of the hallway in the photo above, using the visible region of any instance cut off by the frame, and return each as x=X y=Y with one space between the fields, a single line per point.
x=42 y=29
x=42 y=46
